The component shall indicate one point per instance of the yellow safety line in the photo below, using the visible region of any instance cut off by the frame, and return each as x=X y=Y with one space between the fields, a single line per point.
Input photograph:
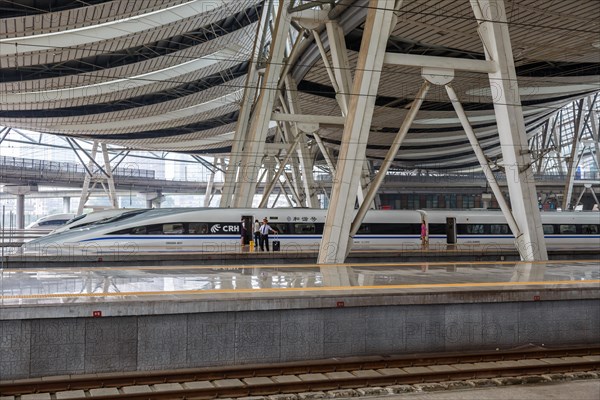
x=271 y=290
x=273 y=266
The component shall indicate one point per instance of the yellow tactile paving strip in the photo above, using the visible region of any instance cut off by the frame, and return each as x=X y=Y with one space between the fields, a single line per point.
x=311 y=289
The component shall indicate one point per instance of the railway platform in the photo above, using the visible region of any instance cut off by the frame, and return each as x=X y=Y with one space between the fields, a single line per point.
x=247 y=256
x=64 y=321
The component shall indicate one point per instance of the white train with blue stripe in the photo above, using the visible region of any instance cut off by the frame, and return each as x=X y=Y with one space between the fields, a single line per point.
x=219 y=230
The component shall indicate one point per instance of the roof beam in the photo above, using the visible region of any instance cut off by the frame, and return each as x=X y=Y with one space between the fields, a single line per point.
x=414 y=60
x=305 y=118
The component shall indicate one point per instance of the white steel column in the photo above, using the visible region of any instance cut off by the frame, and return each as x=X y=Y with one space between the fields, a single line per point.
x=379 y=23
x=209 y=186
x=493 y=29
x=341 y=80
x=112 y=192
x=389 y=158
x=20 y=211
x=491 y=179
x=325 y=154
x=586 y=187
x=377 y=200
x=290 y=186
x=66 y=204
x=594 y=121
x=269 y=188
x=307 y=166
x=241 y=131
x=557 y=136
x=573 y=159
x=304 y=156
x=341 y=65
x=85 y=190
x=259 y=124
x=232 y=171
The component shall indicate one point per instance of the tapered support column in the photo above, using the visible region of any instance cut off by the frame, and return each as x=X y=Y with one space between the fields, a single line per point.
x=85 y=189
x=594 y=121
x=387 y=162
x=325 y=154
x=20 y=192
x=153 y=199
x=306 y=167
x=491 y=179
x=380 y=20
x=273 y=182
x=341 y=80
x=261 y=116
x=304 y=157
x=209 y=187
x=20 y=211
x=493 y=29
x=112 y=192
x=66 y=204
x=241 y=132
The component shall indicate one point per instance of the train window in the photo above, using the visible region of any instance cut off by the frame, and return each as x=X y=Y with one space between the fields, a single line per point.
x=304 y=229
x=364 y=229
x=197 y=228
x=172 y=229
x=567 y=229
x=138 y=230
x=120 y=217
x=497 y=229
x=280 y=228
x=53 y=222
x=589 y=229
x=475 y=229
x=548 y=229
x=437 y=229
x=395 y=229
x=156 y=229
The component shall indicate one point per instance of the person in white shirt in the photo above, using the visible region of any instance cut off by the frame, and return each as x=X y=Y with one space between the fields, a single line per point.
x=264 y=234
x=256 y=234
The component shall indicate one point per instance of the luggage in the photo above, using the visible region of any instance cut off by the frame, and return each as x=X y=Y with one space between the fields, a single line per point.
x=276 y=245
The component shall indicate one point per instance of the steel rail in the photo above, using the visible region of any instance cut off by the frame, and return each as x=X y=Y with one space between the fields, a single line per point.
x=86 y=382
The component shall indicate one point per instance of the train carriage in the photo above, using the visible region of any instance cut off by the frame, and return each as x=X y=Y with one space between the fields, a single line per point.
x=219 y=230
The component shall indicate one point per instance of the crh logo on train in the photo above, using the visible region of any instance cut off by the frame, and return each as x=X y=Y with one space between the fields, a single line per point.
x=225 y=228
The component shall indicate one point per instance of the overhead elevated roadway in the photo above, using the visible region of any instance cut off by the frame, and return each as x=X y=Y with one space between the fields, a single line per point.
x=17 y=170
x=91 y=320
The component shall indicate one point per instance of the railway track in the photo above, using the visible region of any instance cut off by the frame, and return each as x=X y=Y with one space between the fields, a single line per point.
x=325 y=375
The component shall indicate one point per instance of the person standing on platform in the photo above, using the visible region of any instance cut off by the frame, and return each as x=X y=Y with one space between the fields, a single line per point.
x=256 y=234
x=243 y=231
x=424 y=238
x=264 y=234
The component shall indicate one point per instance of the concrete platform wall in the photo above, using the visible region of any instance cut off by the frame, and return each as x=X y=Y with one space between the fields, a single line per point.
x=45 y=347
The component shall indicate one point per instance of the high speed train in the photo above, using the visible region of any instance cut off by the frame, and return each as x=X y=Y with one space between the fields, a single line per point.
x=98 y=217
x=219 y=230
x=50 y=221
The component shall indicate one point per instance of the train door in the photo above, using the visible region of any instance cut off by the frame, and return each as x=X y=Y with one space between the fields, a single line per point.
x=247 y=229
x=450 y=230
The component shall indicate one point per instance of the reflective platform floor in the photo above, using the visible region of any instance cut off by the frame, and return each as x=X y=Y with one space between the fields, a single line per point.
x=83 y=285
x=61 y=321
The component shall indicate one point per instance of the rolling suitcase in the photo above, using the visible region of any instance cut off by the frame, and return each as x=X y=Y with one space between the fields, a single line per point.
x=276 y=245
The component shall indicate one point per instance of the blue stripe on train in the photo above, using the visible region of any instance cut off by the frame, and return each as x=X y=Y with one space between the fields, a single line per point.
x=319 y=237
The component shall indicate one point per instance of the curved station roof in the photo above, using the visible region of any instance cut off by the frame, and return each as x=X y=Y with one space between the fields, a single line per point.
x=170 y=74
